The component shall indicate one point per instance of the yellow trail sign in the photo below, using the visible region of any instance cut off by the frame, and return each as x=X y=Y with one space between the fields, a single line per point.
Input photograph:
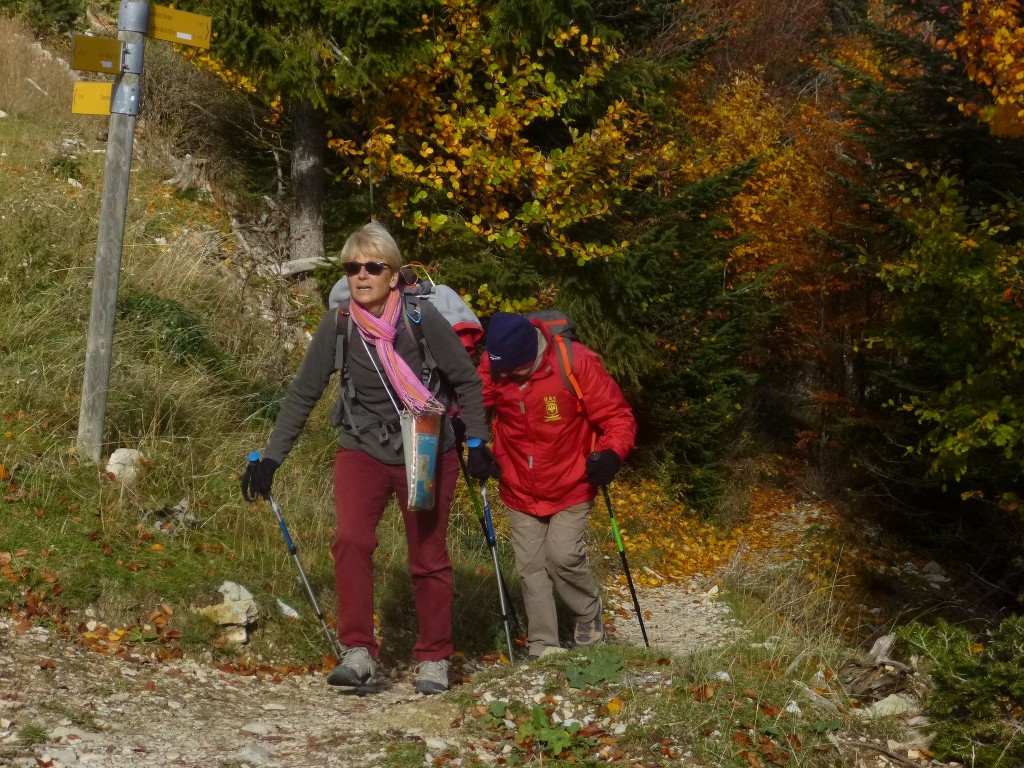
x=179 y=27
x=91 y=98
x=96 y=54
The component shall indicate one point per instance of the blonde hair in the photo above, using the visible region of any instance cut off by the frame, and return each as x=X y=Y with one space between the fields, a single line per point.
x=372 y=241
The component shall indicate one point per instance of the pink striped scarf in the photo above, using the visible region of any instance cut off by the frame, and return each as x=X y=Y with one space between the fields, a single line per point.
x=381 y=332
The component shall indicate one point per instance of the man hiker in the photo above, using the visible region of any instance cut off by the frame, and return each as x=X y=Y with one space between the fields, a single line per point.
x=554 y=450
x=383 y=370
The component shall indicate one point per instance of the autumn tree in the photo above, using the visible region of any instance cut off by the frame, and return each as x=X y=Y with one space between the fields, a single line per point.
x=523 y=162
x=311 y=59
x=944 y=252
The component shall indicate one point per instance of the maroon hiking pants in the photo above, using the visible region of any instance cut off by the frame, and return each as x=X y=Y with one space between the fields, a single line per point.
x=362 y=488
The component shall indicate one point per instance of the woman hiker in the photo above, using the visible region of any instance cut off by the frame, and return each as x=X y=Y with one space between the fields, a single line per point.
x=554 y=451
x=382 y=364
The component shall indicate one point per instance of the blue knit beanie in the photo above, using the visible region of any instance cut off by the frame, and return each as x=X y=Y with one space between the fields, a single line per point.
x=511 y=341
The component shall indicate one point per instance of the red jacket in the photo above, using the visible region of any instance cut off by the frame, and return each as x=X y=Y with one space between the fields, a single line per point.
x=542 y=440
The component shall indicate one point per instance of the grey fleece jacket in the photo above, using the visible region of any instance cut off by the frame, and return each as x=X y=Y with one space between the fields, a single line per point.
x=366 y=427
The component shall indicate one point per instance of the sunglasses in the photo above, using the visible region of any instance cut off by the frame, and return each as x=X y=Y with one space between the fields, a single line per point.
x=352 y=268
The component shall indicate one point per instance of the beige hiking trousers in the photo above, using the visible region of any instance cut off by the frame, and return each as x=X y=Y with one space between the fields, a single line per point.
x=551 y=558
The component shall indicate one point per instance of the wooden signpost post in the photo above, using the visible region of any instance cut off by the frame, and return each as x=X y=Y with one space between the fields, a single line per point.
x=123 y=58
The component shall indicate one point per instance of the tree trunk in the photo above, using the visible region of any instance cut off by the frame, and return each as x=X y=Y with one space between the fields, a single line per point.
x=306 y=223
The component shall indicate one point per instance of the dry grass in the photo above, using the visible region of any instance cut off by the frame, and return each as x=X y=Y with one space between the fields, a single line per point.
x=36 y=83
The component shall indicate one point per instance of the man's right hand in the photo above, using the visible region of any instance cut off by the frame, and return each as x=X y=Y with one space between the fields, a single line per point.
x=257 y=479
x=481 y=464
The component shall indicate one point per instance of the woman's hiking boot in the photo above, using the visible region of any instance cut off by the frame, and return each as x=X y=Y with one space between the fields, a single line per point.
x=357 y=667
x=432 y=677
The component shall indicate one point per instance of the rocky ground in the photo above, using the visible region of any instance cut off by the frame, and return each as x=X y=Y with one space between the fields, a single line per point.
x=105 y=711
x=85 y=708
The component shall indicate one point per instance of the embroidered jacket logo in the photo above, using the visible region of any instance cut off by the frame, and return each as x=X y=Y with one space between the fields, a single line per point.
x=551 y=409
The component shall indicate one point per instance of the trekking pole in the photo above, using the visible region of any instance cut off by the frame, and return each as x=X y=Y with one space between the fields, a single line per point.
x=493 y=545
x=331 y=637
x=483 y=526
x=625 y=564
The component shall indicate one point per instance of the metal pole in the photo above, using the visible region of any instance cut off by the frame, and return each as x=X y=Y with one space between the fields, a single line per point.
x=487 y=537
x=491 y=542
x=331 y=637
x=133 y=21
x=625 y=563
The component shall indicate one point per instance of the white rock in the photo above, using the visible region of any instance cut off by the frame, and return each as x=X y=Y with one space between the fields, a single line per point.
x=258 y=729
x=894 y=704
x=254 y=754
x=125 y=465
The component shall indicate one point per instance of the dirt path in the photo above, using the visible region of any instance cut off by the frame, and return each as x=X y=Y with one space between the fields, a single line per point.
x=83 y=708
x=102 y=710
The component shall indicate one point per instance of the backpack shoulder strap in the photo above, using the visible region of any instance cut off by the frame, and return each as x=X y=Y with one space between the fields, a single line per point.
x=412 y=314
x=342 y=327
x=563 y=351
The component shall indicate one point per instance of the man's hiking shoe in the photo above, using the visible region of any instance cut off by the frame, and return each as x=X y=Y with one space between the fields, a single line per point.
x=549 y=650
x=357 y=667
x=432 y=677
x=589 y=632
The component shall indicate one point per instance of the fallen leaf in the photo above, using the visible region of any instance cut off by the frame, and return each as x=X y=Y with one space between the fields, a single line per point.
x=702 y=692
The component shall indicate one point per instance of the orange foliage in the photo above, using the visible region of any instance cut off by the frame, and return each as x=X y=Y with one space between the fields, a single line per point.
x=991 y=45
x=787 y=200
x=789 y=194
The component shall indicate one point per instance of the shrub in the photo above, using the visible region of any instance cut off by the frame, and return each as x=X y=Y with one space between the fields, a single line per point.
x=47 y=16
x=977 y=699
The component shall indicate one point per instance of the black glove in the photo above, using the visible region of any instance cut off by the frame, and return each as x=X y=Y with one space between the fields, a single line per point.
x=481 y=464
x=257 y=479
x=602 y=466
x=459 y=428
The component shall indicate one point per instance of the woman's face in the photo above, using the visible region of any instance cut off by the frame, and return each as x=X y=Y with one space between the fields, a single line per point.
x=370 y=291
